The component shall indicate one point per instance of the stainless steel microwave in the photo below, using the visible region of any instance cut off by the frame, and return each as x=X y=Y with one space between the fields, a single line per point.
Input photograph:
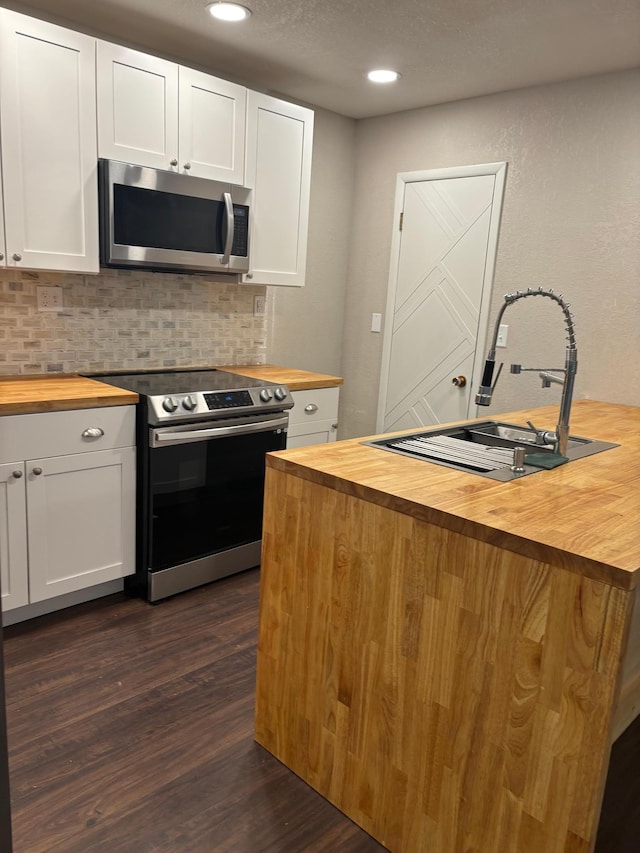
x=154 y=219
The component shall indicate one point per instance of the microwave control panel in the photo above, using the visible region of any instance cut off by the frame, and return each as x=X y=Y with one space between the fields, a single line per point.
x=240 y=245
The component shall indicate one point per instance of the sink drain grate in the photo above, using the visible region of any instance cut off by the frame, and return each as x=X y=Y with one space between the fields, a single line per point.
x=444 y=448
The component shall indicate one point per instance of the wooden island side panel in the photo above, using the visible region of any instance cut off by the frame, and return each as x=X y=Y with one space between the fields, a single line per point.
x=444 y=693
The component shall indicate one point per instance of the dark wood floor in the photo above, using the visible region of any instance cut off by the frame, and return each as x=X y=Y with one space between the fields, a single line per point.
x=130 y=731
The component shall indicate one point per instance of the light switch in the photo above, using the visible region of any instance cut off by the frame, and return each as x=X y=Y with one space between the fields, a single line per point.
x=503 y=334
x=376 y=322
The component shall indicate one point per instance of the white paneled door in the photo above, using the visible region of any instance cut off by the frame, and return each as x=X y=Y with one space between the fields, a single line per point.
x=439 y=294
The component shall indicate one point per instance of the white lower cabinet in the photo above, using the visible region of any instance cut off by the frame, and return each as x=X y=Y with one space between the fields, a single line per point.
x=14 y=580
x=314 y=417
x=67 y=518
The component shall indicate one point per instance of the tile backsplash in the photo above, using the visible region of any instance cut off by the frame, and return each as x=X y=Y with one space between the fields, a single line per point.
x=125 y=319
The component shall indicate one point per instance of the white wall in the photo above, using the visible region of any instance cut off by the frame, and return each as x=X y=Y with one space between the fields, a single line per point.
x=571 y=221
x=306 y=324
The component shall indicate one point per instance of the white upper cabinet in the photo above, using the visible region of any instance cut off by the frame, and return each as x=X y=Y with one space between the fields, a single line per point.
x=279 y=150
x=159 y=114
x=3 y=254
x=137 y=107
x=211 y=125
x=49 y=151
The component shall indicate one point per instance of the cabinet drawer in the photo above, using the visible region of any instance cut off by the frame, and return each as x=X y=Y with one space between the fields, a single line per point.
x=318 y=404
x=62 y=433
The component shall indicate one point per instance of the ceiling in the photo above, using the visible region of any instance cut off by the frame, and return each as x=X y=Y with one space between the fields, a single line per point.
x=319 y=52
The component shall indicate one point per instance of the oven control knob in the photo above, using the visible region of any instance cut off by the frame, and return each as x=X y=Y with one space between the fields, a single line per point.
x=189 y=403
x=169 y=404
x=265 y=395
x=280 y=393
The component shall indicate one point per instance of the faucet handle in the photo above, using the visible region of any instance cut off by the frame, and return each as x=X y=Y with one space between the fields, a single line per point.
x=543 y=436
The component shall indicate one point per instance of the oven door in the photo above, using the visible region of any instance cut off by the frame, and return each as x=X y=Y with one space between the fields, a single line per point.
x=206 y=485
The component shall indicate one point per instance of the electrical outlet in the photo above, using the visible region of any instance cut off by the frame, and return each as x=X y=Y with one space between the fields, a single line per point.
x=49 y=298
x=503 y=335
x=259 y=305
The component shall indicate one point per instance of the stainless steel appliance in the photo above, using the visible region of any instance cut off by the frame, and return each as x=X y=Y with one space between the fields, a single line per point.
x=162 y=220
x=202 y=439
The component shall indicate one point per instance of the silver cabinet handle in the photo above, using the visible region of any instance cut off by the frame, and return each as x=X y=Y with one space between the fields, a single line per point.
x=173 y=162
x=334 y=426
x=311 y=408
x=1 y=256
x=17 y=474
x=187 y=166
x=93 y=432
x=37 y=471
x=17 y=257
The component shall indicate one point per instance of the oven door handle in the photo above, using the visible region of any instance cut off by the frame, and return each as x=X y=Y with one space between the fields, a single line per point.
x=175 y=436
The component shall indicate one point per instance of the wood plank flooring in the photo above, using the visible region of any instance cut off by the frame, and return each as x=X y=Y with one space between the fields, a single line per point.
x=131 y=731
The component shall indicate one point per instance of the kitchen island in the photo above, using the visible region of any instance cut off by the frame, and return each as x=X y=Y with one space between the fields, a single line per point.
x=448 y=658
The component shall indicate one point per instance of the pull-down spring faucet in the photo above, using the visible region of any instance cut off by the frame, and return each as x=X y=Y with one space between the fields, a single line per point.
x=560 y=437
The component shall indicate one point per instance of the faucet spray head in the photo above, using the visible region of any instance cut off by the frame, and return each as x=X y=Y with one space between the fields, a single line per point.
x=485 y=391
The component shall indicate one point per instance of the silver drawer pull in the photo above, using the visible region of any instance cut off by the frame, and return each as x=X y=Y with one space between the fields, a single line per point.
x=93 y=432
x=37 y=471
x=17 y=474
x=311 y=408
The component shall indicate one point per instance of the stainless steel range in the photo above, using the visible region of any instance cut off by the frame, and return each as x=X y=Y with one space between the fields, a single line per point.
x=202 y=438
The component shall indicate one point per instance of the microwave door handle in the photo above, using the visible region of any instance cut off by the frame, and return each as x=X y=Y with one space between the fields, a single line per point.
x=228 y=243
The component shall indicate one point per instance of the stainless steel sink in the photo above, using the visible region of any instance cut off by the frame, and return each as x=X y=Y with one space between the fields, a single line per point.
x=484 y=447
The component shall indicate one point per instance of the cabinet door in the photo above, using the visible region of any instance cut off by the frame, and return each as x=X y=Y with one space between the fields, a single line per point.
x=137 y=107
x=211 y=126
x=320 y=432
x=279 y=149
x=314 y=417
x=48 y=117
x=3 y=256
x=80 y=520
x=14 y=579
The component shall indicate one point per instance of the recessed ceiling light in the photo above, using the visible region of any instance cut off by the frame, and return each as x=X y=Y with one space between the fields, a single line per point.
x=383 y=75
x=228 y=11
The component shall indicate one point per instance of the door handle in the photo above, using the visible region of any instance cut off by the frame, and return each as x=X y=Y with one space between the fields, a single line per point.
x=460 y=381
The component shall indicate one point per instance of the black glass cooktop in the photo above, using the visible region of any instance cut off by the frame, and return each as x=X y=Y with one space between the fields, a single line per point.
x=164 y=383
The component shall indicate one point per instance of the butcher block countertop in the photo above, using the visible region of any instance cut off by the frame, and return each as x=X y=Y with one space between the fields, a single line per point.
x=447 y=658
x=21 y=395
x=582 y=515
x=296 y=380
x=43 y=393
